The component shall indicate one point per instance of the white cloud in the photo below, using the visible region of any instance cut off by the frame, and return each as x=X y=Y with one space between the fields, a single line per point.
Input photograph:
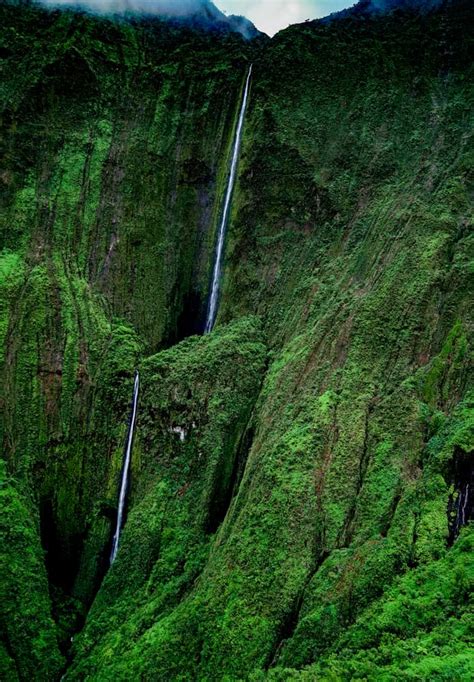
x=271 y=16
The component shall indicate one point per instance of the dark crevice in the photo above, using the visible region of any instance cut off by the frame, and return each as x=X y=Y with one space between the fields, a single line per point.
x=348 y=530
x=63 y=552
x=102 y=560
x=461 y=501
x=62 y=556
x=412 y=560
x=192 y=318
x=225 y=490
x=61 y=561
x=10 y=651
x=291 y=620
x=387 y=521
x=224 y=493
x=243 y=451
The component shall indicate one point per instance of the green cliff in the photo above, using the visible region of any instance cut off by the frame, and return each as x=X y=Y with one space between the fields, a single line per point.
x=297 y=472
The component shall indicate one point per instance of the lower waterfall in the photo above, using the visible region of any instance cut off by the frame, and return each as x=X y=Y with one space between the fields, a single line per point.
x=125 y=468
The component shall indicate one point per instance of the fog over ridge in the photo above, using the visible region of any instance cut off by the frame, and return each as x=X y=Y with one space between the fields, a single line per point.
x=270 y=16
x=201 y=13
x=177 y=8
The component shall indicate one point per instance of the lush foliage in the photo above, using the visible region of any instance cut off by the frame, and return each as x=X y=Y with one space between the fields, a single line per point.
x=294 y=471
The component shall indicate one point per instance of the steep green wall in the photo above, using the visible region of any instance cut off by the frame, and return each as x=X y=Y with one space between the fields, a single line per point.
x=115 y=152
x=196 y=404
x=301 y=529
x=114 y=159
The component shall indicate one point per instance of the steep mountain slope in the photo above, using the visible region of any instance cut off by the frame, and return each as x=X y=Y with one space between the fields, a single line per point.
x=298 y=471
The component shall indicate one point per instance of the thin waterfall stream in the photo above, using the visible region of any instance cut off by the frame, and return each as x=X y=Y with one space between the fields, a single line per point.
x=216 y=275
x=126 y=468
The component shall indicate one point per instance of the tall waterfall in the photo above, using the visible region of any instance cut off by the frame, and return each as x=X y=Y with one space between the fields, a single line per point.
x=216 y=275
x=125 y=468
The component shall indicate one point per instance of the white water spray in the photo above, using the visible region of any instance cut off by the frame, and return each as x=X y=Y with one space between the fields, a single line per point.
x=216 y=275
x=126 y=469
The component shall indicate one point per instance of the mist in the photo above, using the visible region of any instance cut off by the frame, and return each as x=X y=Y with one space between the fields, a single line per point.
x=171 y=8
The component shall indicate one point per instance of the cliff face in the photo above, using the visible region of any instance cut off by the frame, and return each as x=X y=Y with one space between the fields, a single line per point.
x=297 y=473
x=114 y=156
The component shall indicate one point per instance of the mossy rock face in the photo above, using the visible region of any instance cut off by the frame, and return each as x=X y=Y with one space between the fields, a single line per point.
x=195 y=408
x=29 y=635
x=295 y=473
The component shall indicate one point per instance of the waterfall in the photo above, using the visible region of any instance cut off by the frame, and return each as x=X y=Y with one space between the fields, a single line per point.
x=216 y=275
x=462 y=510
x=125 y=468
x=461 y=501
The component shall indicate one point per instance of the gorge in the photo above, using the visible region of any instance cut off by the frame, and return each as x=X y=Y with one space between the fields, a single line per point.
x=210 y=318
x=299 y=497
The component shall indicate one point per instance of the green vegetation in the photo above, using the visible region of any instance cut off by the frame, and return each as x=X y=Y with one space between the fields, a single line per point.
x=294 y=471
x=29 y=648
x=195 y=406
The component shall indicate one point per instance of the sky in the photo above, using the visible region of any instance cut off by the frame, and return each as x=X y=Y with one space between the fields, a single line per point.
x=271 y=16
